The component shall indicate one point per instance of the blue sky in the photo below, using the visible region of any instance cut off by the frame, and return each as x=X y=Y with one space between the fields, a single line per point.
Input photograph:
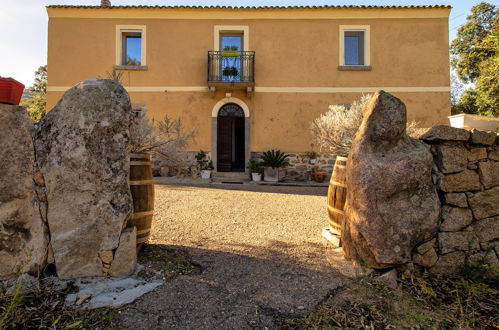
x=23 y=45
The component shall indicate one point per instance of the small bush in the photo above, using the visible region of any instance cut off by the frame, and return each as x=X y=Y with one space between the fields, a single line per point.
x=165 y=139
x=335 y=130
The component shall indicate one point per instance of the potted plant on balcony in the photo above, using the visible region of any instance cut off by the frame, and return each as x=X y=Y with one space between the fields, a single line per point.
x=255 y=168
x=274 y=162
x=205 y=165
x=230 y=71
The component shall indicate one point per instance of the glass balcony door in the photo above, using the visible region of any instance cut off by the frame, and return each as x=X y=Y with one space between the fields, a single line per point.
x=231 y=46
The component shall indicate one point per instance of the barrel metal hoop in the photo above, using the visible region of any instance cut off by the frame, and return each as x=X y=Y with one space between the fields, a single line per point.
x=140 y=162
x=141 y=214
x=143 y=156
x=333 y=209
x=143 y=231
x=140 y=182
x=339 y=184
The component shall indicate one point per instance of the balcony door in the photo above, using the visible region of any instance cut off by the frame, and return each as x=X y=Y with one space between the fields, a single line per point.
x=231 y=44
x=230 y=138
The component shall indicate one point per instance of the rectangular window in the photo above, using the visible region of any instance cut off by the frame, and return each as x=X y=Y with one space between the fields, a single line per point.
x=131 y=47
x=354 y=47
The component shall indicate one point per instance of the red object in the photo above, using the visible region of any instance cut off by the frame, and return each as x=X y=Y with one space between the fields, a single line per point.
x=11 y=91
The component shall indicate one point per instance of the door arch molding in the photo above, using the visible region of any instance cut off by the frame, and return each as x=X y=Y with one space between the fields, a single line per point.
x=222 y=102
x=214 y=128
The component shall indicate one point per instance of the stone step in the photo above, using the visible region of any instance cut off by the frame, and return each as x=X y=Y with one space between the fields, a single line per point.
x=230 y=177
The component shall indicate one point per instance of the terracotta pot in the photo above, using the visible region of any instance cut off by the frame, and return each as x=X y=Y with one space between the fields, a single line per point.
x=11 y=91
x=320 y=175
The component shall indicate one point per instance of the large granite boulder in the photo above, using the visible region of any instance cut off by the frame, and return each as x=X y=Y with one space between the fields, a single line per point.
x=23 y=234
x=392 y=205
x=82 y=152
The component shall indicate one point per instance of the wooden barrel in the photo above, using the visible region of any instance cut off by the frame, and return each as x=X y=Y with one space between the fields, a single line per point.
x=142 y=189
x=337 y=194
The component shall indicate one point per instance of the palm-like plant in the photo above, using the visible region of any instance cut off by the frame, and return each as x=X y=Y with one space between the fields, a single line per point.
x=274 y=158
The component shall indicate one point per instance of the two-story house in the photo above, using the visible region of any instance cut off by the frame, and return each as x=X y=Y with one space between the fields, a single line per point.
x=249 y=79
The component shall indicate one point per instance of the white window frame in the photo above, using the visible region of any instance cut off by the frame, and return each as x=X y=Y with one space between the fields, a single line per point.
x=120 y=29
x=218 y=29
x=367 y=43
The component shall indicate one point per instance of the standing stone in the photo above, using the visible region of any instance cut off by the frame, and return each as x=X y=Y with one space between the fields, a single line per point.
x=125 y=257
x=485 y=204
x=82 y=152
x=392 y=205
x=23 y=234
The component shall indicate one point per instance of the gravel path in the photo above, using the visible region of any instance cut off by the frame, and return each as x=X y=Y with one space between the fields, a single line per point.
x=261 y=251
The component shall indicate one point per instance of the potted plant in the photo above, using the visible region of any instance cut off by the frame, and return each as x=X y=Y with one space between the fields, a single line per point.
x=204 y=164
x=312 y=157
x=273 y=162
x=11 y=91
x=255 y=168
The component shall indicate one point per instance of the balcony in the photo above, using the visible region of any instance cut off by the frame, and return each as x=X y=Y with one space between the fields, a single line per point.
x=231 y=70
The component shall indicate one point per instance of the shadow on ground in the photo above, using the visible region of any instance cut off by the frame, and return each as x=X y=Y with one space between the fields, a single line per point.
x=292 y=190
x=238 y=291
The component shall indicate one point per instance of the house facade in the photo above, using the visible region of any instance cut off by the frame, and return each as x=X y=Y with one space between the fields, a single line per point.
x=252 y=79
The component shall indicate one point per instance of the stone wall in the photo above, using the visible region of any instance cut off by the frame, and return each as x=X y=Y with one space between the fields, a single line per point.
x=300 y=168
x=466 y=174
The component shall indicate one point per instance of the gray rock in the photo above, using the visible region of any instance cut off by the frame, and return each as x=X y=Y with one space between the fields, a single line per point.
x=110 y=292
x=481 y=137
x=476 y=154
x=451 y=157
x=389 y=279
x=440 y=133
x=125 y=258
x=23 y=234
x=487 y=229
x=489 y=174
x=82 y=152
x=456 y=199
x=455 y=218
x=425 y=254
x=448 y=264
x=485 y=204
x=457 y=241
x=392 y=204
x=467 y=180
x=24 y=284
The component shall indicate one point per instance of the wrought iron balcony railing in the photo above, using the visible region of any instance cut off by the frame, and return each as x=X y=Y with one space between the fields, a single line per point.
x=231 y=66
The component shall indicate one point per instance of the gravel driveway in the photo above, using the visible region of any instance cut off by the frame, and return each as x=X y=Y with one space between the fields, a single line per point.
x=261 y=251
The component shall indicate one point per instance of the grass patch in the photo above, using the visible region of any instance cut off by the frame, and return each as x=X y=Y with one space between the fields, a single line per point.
x=44 y=309
x=420 y=302
x=170 y=262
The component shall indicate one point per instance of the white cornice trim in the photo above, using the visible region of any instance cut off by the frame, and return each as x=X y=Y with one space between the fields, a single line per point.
x=318 y=90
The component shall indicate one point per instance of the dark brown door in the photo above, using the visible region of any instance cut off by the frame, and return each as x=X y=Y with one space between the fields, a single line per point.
x=230 y=138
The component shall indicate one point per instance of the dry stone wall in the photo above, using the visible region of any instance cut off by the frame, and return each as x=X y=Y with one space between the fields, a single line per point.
x=466 y=174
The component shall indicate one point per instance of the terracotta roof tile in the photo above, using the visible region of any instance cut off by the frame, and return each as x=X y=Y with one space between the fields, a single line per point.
x=254 y=7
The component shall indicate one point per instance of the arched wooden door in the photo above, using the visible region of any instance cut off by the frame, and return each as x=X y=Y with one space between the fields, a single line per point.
x=230 y=138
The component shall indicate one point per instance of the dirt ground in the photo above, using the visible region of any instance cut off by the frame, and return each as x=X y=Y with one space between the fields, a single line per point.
x=260 y=250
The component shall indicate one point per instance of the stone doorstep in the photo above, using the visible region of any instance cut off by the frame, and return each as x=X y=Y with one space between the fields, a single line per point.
x=230 y=177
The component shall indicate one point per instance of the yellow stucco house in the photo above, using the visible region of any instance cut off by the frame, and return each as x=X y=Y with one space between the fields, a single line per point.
x=253 y=78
